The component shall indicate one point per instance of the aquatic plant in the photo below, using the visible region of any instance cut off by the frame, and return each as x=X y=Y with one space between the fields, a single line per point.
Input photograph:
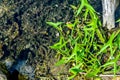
x=85 y=44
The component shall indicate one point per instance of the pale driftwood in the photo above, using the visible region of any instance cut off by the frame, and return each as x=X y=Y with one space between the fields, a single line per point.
x=109 y=7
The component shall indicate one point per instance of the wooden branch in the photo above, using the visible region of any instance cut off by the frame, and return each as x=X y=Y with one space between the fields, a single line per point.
x=109 y=7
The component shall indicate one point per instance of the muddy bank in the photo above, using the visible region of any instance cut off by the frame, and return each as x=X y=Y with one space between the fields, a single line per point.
x=25 y=38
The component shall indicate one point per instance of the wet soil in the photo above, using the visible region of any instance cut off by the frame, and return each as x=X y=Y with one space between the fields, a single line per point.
x=25 y=37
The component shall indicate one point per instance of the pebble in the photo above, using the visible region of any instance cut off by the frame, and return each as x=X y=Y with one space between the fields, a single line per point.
x=28 y=71
x=2 y=76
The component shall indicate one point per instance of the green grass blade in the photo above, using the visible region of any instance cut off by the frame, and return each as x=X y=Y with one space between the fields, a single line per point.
x=80 y=8
x=55 y=25
x=100 y=36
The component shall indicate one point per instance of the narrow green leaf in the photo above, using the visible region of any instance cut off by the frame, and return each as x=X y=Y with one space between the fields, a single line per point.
x=75 y=70
x=99 y=34
x=59 y=44
x=108 y=64
x=118 y=21
x=103 y=48
x=115 y=68
x=93 y=72
x=117 y=41
x=90 y=7
x=86 y=14
x=80 y=8
x=73 y=7
x=60 y=62
x=71 y=77
x=55 y=25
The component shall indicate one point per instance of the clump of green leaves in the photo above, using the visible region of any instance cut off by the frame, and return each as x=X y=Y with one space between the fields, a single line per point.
x=84 y=44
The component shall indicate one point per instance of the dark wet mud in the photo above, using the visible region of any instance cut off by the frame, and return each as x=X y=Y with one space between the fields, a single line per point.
x=25 y=37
